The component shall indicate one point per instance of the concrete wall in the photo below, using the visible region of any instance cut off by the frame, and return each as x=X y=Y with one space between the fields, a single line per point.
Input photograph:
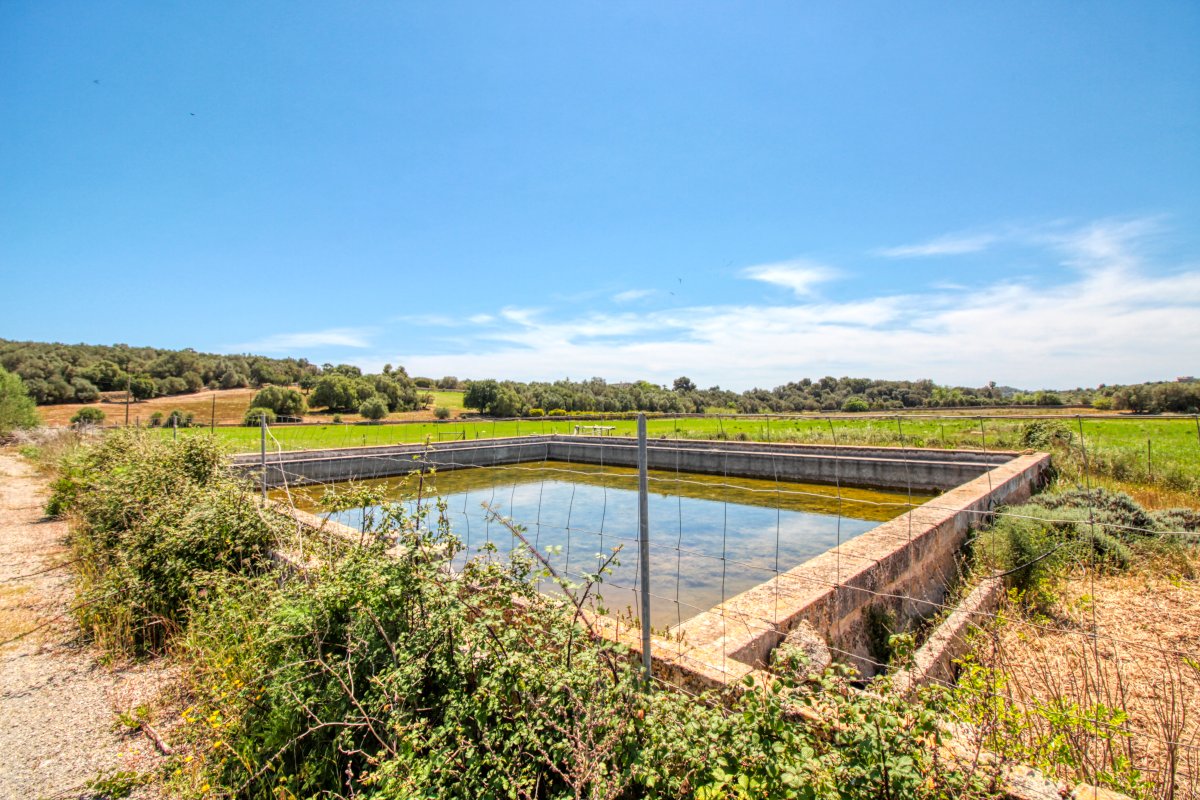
x=895 y=468
x=901 y=568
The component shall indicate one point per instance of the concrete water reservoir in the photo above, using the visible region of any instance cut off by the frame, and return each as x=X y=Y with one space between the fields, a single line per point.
x=900 y=567
x=713 y=536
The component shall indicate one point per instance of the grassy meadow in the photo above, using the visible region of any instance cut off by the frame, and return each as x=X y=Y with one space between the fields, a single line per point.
x=1159 y=452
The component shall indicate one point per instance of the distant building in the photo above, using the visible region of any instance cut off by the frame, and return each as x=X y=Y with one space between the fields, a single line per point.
x=1185 y=379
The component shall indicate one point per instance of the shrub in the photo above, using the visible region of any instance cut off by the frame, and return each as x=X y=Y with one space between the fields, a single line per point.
x=556 y=412
x=155 y=522
x=283 y=401
x=382 y=676
x=255 y=416
x=85 y=390
x=17 y=409
x=441 y=412
x=373 y=409
x=178 y=419
x=156 y=419
x=536 y=412
x=1043 y=433
x=88 y=415
x=856 y=404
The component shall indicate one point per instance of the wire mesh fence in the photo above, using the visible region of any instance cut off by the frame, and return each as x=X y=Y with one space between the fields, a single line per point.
x=1091 y=658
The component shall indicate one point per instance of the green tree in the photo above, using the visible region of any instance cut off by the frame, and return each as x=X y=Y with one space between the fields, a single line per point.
x=17 y=409
x=89 y=415
x=856 y=403
x=254 y=417
x=340 y=393
x=283 y=401
x=373 y=408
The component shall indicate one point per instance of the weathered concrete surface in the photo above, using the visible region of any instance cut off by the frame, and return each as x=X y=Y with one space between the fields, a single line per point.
x=934 y=660
x=919 y=469
x=901 y=568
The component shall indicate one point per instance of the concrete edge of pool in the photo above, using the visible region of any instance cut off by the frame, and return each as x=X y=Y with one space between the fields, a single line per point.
x=901 y=567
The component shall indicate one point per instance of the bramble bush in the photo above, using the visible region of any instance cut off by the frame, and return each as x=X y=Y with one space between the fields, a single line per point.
x=382 y=674
x=154 y=521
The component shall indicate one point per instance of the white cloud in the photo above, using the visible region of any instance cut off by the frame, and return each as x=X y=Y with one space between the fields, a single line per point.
x=629 y=295
x=798 y=275
x=481 y=319
x=951 y=245
x=1115 y=319
x=291 y=342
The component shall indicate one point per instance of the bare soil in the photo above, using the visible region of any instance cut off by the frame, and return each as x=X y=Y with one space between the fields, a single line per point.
x=230 y=409
x=59 y=700
x=1128 y=642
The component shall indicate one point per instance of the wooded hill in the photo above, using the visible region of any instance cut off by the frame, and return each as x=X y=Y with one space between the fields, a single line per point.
x=78 y=373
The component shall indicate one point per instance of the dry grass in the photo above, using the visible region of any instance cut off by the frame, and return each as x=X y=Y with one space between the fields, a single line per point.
x=1130 y=643
x=231 y=406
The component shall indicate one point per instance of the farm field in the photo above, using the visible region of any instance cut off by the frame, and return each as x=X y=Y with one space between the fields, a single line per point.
x=1149 y=443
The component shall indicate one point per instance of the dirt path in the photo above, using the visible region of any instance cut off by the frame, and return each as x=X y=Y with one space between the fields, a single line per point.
x=58 y=704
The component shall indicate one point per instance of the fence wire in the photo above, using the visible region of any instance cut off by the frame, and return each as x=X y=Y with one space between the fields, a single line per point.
x=715 y=537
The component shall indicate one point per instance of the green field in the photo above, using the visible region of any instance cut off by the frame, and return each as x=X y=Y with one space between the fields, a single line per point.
x=1145 y=446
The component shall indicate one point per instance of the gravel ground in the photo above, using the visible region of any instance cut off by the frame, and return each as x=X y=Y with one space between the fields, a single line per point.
x=58 y=702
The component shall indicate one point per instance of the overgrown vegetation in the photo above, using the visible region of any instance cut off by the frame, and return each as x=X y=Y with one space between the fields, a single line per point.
x=1045 y=685
x=17 y=410
x=154 y=523
x=378 y=673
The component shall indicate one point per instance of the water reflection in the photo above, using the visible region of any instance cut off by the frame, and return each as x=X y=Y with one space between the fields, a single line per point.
x=711 y=536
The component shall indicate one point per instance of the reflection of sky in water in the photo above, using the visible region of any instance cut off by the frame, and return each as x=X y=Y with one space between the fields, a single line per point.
x=688 y=537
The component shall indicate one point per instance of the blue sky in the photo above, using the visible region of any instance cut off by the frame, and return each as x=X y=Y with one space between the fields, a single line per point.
x=743 y=193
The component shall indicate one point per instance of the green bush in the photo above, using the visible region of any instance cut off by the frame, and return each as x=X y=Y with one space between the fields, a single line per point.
x=856 y=404
x=556 y=412
x=378 y=676
x=155 y=522
x=178 y=419
x=254 y=417
x=88 y=415
x=283 y=401
x=373 y=409
x=441 y=412
x=17 y=408
x=156 y=419
x=536 y=412
x=1044 y=433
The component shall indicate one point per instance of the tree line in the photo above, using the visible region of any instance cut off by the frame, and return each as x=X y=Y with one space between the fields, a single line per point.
x=78 y=373
x=61 y=373
x=514 y=398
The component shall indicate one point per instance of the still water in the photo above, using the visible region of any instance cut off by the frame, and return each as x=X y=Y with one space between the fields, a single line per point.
x=711 y=537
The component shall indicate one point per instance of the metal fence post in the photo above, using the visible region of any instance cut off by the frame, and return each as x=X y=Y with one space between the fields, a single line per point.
x=644 y=543
x=262 y=429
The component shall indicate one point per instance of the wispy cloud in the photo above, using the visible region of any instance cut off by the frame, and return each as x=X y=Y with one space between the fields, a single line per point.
x=1116 y=317
x=798 y=275
x=950 y=245
x=629 y=295
x=291 y=342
